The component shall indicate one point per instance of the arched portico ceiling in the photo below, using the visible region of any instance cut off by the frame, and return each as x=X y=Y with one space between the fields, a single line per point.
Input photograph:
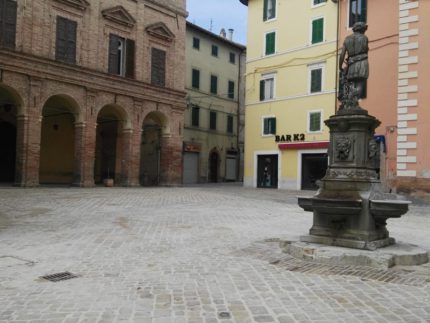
x=113 y=112
x=62 y=104
x=9 y=97
x=159 y=118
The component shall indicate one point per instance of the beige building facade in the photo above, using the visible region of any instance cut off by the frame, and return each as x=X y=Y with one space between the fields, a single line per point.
x=92 y=90
x=213 y=132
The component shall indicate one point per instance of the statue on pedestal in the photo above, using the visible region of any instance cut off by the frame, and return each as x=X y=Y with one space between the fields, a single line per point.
x=354 y=75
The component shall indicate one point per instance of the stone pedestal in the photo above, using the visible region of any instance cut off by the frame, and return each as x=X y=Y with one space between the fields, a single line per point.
x=350 y=209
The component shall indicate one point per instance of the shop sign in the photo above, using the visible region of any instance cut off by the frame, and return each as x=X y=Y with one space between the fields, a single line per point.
x=290 y=138
x=191 y=147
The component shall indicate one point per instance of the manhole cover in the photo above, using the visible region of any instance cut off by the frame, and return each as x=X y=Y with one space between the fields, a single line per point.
x=59 y=276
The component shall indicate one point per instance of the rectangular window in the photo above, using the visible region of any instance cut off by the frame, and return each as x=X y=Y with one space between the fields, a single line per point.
x=195 y=82
x=269 y=126
x=317 y=30
x=215 y=50
x=229 y=124
x=314 y=121
x=317 y=2
x=65 y=46
x=233 y=58
x=270 y=43
x=196 y=43
x=7 y=23
x=195 y=116
x=212 y=120
x=231 y=89
x=269 y=10
x=357 y=11
x=214 y=84
x=316 y=80
x=121 y=56
x=158 y=67
x=267 y=86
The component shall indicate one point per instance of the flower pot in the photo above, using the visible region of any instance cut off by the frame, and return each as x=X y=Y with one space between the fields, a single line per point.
x=108 y=182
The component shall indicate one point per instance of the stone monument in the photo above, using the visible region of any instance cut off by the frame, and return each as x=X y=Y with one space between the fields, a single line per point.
x=350 y=208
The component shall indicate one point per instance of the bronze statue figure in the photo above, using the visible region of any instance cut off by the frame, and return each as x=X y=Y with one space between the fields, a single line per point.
x=354 y=75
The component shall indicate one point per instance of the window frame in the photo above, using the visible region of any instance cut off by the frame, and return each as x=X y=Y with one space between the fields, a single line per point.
x=313 y=5
x=263 y=119
x=230 y=124
x=231 y=94
x=68 y=23
x=192 y=78
x=313 y=67
x=232 y=61
x=9 y=28
x=265 y=77
x=308 y=127
x=215 y=51
x=212 y=120
x=211 y=89
x=195 y=118
x=265 y=9
x=312 y=31
x=196 y=40
x=162 y=82
x=350 y=23
x=265 y=43
x=127 y=68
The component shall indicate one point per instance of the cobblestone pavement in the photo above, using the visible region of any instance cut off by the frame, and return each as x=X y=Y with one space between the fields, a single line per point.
x=195 y=254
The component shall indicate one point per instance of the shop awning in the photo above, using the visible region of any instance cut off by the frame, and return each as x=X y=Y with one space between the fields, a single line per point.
x=304 y=145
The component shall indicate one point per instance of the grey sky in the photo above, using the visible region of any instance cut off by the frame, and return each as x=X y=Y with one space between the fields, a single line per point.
x=224 y=14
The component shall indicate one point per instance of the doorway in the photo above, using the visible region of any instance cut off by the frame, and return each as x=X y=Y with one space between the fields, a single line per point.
x=213 y=167
x=7 y=152
x=267 y=171
x=314 y=167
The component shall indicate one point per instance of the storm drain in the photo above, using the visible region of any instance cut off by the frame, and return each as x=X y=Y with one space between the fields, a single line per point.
x=59 y=276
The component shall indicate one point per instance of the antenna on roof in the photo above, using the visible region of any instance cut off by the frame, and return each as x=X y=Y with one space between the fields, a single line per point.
x=211 y=25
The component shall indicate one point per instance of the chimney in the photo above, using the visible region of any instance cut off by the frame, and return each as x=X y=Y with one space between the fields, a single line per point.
x=230 y=34
x=222 y=33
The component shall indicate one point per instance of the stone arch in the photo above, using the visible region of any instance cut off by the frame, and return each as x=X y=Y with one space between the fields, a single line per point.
x=154 y=127
x=112 y=122
x=214 y=160
x=60 y=113
x=11 y=105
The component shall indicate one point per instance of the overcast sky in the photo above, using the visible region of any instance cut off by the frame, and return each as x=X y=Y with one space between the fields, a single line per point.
x=223 y=13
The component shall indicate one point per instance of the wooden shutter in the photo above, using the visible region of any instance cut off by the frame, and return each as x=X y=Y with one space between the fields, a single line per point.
x=317 y=30
x=60 y=45
x=8 y=23
x=195 y=116
x=265 y=10
x=196 y=79
x=214 y=84
x=231 y=89
x=270 y=43
x=71 y=41
x=266 y=126
x=272 y=126
x=230 y=124
x=65 y=46
x=212 y=121
x=316 y=80
x=262 y=96
x=315 y=121
x=129 y=60
x=158 y=67
x=363 y=16
x=113 y=67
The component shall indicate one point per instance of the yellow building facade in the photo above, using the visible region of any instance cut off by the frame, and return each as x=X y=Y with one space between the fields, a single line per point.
x=290 y=91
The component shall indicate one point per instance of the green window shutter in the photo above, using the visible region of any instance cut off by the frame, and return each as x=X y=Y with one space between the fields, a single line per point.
x=316 y=80
x=114 y=63
x=265 y=10
x=129 y=62
x=262 y=96
x=196 y=79
x=272 y=126
x=231 y=89
x=195 y=116
x=270 y=43
x=229 y=124
x=214 y=84
x=266 y=126
x=317 y=30
x=315 y=121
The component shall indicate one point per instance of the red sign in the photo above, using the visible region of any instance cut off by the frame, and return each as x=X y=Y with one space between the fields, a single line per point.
x=304 y=145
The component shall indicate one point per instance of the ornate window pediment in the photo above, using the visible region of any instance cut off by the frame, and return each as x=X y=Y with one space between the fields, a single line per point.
x=119 y=15
x=160 y=30
x=79 y=4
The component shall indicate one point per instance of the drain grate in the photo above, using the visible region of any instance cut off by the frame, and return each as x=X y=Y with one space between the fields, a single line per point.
x=59 y=276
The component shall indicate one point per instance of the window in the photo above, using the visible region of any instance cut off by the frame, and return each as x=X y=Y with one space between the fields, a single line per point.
x=196 y=43
x=65 y=46
x=269 y=10
x=270 y=43
x=214 y=84
x=215 y=50
x=195 y=116
x=314 y=121
x=357 y=11
x=269 y=126
x=195 y=79
x=7 y=23
x=317 y=2
x=229 y=124
x=212 y=120
x=158 y=67
x=315 y=78
x=317 y=30
x=231 y=89
x=233 y=58
x=121 y=56
x=267 y=85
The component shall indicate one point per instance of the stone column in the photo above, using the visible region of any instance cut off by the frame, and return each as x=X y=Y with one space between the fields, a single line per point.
x=88 y=152
x=171 y=160
x=126 y=157
x=22 y=126
x=79 y=170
